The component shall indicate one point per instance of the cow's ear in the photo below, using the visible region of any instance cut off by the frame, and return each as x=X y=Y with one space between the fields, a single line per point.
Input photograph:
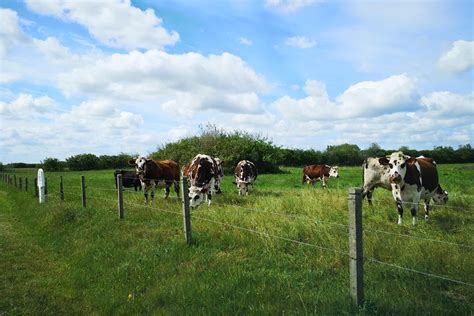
x=147 y=160
x=383 y=161
x=131 y=162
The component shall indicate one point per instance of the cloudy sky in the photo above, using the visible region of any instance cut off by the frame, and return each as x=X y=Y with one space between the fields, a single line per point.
x=106 y=77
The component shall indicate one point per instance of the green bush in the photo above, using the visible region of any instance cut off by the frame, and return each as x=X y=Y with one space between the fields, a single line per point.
x=53 y=164
x=83 y=162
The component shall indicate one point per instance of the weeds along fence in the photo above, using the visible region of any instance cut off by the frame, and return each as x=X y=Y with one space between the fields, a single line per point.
x=354 y=227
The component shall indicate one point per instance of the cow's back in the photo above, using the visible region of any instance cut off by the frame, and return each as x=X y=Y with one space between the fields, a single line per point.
x=429 y=174
x=169 y=169
x=314 y=171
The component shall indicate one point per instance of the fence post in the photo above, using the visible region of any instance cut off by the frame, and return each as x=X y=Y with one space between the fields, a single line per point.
x=83 y=189
x=355 y=246
x=45 y=186
x=120 y=196
x=14 y=179
x=186 y=214
x=61 y=188
x=26 y=184
x=20 y=182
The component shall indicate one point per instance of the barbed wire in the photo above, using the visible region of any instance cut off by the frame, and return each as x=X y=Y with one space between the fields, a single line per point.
x=421 y=201
x=419 y=272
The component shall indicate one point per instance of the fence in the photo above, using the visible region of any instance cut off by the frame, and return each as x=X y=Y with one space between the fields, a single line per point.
x=354 y=228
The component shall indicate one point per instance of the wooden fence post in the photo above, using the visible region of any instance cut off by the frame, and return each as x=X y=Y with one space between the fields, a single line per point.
x=186 y=213
x=36 y=187
x=14 y=179
x=45 y=186
x=83 y=189
x=355 y=246
x=120 y=196
x=20 y=182
x=61 y=188
x=26 y=184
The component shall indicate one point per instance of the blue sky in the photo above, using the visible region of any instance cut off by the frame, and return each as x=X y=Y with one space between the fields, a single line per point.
x=128 y=76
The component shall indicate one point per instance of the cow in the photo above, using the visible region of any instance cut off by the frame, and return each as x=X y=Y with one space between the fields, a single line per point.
x=245 y=175
x=375 y=175
x=413 y=179
x=151 y=172
x=186 y=169
x=203 y=174
x=313 y=173
x=129 y=179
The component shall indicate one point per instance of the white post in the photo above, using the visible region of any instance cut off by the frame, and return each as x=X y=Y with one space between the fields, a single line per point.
x=41 y=185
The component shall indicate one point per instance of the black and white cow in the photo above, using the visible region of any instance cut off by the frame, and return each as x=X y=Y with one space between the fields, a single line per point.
x=376 y=172
x=203 y=174
x=413 y=179
x=245 y=175
x=220 y=174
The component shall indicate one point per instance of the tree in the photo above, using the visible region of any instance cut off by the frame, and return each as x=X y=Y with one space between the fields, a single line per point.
x=83 y=162
x=53 y=164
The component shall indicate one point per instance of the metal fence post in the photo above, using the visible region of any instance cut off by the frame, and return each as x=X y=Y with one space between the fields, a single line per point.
x=186 y=213
x=83 y=189
x=61 y=188
x=120 y=196
x=355 y=246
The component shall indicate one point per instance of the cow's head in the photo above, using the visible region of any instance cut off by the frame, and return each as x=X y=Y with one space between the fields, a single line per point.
x=243 y=187
x=139 y=164
x=196 y=196
x=440 y=196
x=397 y=162
x=334 y=172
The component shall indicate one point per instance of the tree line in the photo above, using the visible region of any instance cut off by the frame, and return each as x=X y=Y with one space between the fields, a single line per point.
x=234 y=146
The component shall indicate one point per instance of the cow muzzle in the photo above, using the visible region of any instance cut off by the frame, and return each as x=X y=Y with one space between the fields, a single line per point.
x=396 y=178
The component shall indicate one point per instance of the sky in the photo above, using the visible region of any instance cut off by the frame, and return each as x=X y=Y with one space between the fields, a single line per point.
x=107 y=77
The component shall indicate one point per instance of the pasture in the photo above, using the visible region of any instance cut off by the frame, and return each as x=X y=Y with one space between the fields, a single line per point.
x=61 y=258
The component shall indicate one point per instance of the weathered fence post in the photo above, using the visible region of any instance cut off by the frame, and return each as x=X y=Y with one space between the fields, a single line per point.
x=20 y=182
x=186 y=213
x=83 y=189
x=41 y=185
x=14 y=179
x=355 y=246
x=61 y=188
x=45 y=186
x=120 y=196
x=26 y=184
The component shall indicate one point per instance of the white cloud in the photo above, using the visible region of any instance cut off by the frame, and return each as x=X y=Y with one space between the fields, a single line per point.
x=448 y=104
x=459 y=58
x=300 y=42
x=183 y=83
x=26 y=105
x=288 y=6
x=363 y=99
x=10 y=32
x=52 y=49
x=115 y=23
x=245 y=41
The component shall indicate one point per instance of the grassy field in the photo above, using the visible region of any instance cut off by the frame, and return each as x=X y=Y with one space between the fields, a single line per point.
x=58 y=258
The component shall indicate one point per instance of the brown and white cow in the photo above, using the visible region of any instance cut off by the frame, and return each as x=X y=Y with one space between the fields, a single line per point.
x=413 y=179
x=152 y=172
x=313 y=173
x=245 y=175
x=203 y=174
x=186 y=170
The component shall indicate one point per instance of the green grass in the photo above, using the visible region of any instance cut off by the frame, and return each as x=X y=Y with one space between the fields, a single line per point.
x=58 y=258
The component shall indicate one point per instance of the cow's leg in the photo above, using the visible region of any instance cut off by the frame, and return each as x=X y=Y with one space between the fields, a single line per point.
x=369 y=197
x=176 y=187
x=209 y=198
x=153 y=189
x=427 y=209
x=400 y=212
x=145 y=191
x=413 y=214
x=167 y=189
x=323 y=182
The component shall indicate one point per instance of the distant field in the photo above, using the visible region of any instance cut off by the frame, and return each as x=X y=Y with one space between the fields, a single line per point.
x=58 y=258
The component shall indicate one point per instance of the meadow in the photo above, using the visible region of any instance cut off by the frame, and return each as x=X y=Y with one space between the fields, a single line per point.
x=60 y=258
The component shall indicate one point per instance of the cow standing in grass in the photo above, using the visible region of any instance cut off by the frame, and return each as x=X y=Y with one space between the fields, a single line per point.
x=129 y=179
x=245 y=175
x=152 y=172
x=322 y=173
x=413 y=179
x=203 y=174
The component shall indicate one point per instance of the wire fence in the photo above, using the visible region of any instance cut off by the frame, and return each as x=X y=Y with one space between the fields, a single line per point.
x=199 y=216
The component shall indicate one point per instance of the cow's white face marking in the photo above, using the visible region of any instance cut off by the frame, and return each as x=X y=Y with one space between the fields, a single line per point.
x=196 y=197
x=243 y=187
x=398 y=167
x=140 y=164
x=334 y=172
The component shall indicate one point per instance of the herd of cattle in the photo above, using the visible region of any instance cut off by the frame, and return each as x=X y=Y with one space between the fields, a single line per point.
x=409 y=179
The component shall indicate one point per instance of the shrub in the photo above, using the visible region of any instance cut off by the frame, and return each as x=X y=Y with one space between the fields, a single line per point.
x=53 y=164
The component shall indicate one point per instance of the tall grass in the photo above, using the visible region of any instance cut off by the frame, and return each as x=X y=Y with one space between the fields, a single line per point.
x=60 y=258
